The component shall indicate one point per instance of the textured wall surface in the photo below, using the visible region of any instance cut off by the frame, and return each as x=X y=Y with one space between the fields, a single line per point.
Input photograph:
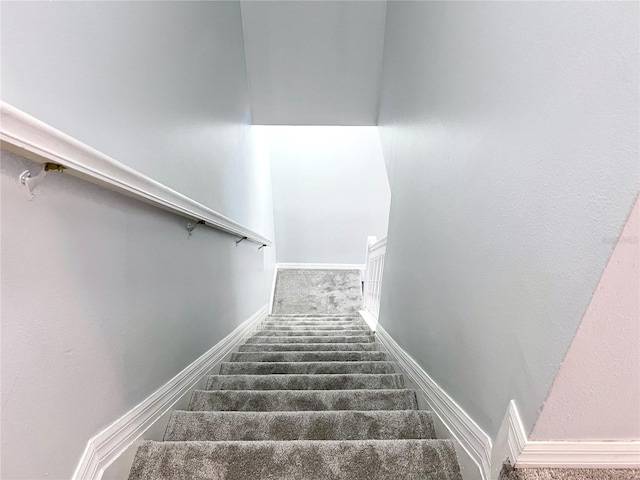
x=511 y=133
x=330 y=192
x=596 y=394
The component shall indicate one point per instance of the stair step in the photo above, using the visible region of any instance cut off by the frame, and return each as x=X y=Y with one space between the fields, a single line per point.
x=311 y=339
x=312 y=333
x=316 y=327
x=308 y=322
x=305 y=382
x=336 y=425
x=326 y=356
x=312 y=316
x=292 y=368
x=301 y=400
x=315 y=347
x=314 y=319
x=305 y=459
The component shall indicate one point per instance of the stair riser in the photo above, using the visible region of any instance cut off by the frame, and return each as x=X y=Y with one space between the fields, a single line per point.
x=311 y=316
x=309 y=347
x=356 y=460
x=308 y=357
x=312 y=333
x=311 y=339
x=304 y=382
x=306 y=328
x=289 y=368
x=282 y=426
x=308 y=400
x=315 y=322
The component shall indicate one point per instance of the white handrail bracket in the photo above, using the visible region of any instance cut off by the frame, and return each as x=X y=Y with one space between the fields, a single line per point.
x=30 y=182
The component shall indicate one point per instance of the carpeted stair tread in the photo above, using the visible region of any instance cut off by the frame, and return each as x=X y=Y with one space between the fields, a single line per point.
x=311 y=339
x=305 y=322
x=313 y=347
x=314 y=316
x=300 y=400
x=314 y=321
x=308 y=396
x=335 y=425
x=312 y=333
x=295 y=460
x=326 y=356
x=315 y=328
x=271 y=368
x=305 y=382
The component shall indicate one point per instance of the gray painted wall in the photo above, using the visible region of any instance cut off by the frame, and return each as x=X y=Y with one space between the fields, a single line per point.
x=105 y=298
x=511 y=135
x=159 y=86
x=314 y=62
x=330 y=192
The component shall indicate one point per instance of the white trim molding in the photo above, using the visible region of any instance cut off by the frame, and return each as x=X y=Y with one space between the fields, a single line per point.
x=320 y=266
x=516 y=436
x=109 y=444
x=567 y=454
x=462 y=427
x=378 y=244
x=603 y=454
x=40 y=142
x=369 y=319
x=273 y=290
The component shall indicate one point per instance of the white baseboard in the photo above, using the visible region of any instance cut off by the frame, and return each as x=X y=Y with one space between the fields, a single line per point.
x=471 y=437
x=106 y=446
x=369 y=319
x=614 y=454
x=273 y=289
x=320 y=266
x=509 y=441
x=566 y=454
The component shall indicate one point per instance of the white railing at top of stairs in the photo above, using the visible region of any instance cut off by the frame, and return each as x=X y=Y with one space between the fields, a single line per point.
x=374 y=269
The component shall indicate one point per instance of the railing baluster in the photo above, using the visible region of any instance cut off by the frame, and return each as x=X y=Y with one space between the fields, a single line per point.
x=373 y=277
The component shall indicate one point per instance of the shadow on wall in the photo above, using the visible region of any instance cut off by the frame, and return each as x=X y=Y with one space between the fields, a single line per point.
x=104 y=299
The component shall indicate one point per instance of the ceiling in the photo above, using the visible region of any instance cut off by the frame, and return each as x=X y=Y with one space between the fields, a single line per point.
x=314 y=62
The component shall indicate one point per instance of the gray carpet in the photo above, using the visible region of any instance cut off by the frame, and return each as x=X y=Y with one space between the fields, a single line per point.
x=308 y=396
x=311 y=339
x=298 y=460
x=510 y=473
x=308 y=356
x=271 y=368
x=336 y=425
x=307 y=347
x=337 y=292
x=305 y=382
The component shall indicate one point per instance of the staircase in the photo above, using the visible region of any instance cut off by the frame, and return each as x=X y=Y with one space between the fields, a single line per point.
x=308 y=396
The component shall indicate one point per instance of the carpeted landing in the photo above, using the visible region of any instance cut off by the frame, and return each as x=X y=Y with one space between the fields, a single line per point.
x=306 y=397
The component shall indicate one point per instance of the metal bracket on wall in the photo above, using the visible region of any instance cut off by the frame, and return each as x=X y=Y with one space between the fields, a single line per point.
x=192 y=226
x=30 y=182
x=262 y=246
x=238 y=241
